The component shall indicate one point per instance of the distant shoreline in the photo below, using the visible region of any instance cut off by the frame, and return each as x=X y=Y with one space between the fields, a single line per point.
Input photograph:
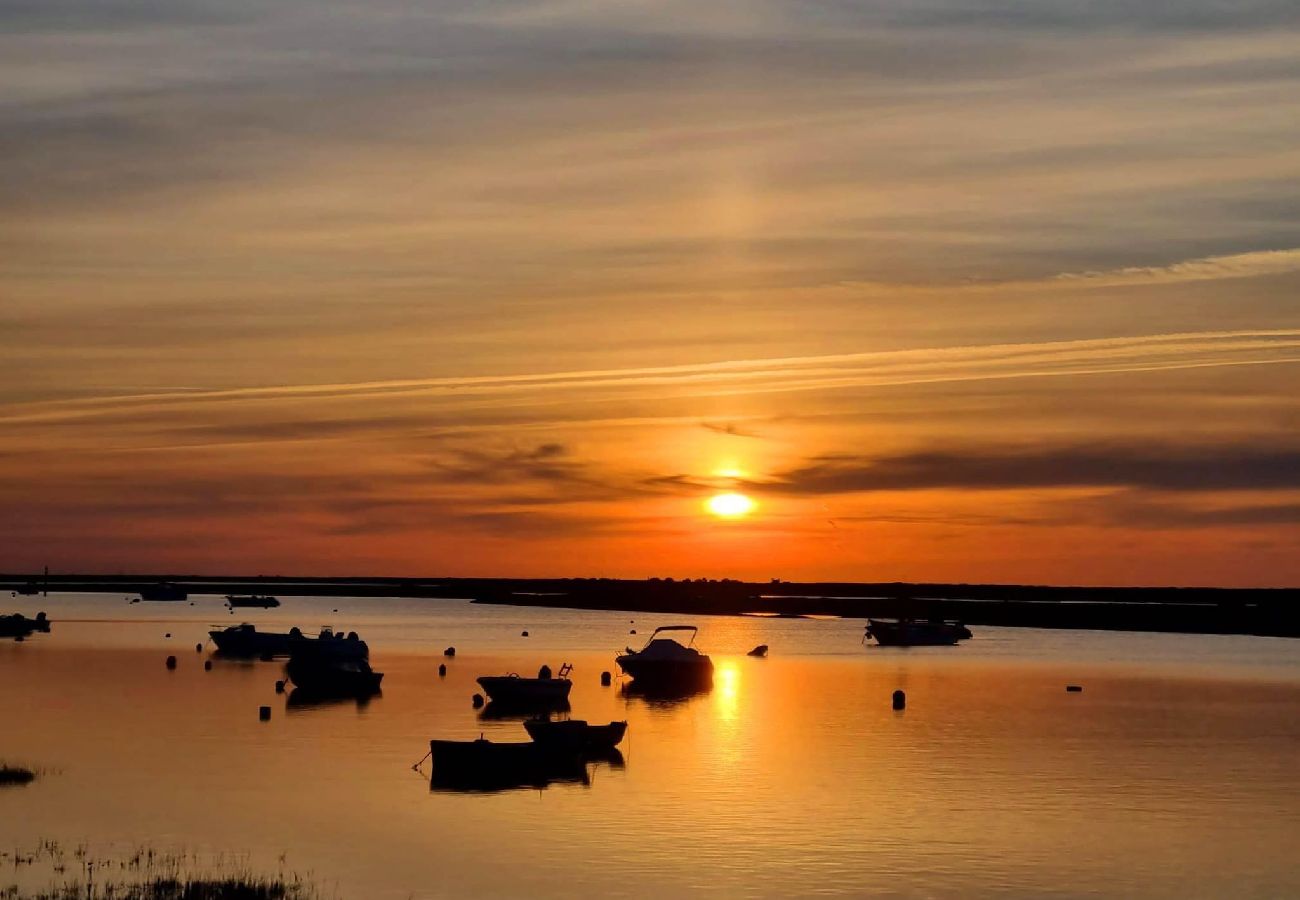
x=1259 y=611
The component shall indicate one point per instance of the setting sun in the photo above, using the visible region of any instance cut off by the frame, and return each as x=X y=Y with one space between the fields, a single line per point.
x=730 y=506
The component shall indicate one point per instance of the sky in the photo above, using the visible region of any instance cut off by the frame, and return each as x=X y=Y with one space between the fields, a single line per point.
x=952 y=290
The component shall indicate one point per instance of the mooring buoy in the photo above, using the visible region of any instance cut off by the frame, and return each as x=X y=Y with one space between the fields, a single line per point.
x=523 y=634
x=171 y=662
x=605 y=679
x=442 y=670
x=450 y=651
x=1073 y=688
x=198 y=648
x=900 y=700
x=279 y=687
x=207 y=665
x=478 y=701
x=264 y=713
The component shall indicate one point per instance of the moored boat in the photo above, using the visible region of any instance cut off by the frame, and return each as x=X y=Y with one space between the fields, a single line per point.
x=664 y=661
x=915 y=632
x=164 y=591
x=255 y=601
x=245 y=640
x=19 y=627
x=516 y=690
x=483 y=765
x=575 y=735
x=332 y=676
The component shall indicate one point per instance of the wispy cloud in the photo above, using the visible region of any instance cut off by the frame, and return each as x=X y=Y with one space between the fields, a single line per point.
x=1237 y=265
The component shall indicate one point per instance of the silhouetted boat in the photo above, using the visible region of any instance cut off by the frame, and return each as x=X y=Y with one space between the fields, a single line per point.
x=915 y=633
x=164 y=591
x=575 y=735
x=255 y=601
x=664 y=661
x=19 y=627
x=245 y=640
x=30 y=589
x=483 y=765
x=515 y=691
x=331 y=676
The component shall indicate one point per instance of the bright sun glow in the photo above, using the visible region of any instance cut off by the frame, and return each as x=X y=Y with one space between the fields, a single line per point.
x=730 y=506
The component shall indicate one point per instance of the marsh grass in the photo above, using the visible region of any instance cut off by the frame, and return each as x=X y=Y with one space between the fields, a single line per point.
x=143 y=873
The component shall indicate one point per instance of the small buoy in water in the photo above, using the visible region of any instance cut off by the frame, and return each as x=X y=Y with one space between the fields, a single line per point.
x=450 y=651
x=207 y=665
x=605 y=679
x=478 y=701
x=1073 y=688
x=442 y=670
x=523 y=634
x=279 y=687
x=900 y=700
x=633 y=631
x=198 y=648
x=336 y=610
x=167 y=635
x=171 y=662
x=264 y=713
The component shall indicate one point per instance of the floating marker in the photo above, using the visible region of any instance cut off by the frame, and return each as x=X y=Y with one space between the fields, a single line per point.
x=1073 y=688
x=478 y=701
x=900 y=700
x=523 y=634
x=605 y=679
x=207 y=665
x=264 y=713
x=167 y=635
x=198 y=648
x=450 y=651
x=279 y=687
x=171 y=662
x=442 y=670
x=633 y=631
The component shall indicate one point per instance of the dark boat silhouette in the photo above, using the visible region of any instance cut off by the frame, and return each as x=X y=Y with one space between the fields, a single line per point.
x=482 y=766
x=665 y=662
x=254 y=602
x=245 y=640
x=335 y=665
x=575 y=735
x=916 y=632
x=517 y=691
x=19 y=627
x=164 y=591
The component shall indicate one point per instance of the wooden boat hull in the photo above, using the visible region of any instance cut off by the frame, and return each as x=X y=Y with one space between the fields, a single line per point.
x=575 y=735
x=914 y=634
x=511 y=690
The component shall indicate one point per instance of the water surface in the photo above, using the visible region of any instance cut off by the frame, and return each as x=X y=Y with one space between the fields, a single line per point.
x=1172 y=774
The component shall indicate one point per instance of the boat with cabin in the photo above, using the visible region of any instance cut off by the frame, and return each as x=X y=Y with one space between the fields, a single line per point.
x=664 y=661
x=164 y=591
x=19 y=627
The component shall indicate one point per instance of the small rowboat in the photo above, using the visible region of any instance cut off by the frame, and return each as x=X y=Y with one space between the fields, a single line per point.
x=576 y=735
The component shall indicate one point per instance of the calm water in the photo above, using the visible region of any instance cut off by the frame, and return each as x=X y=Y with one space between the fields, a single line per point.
x=1173 y=774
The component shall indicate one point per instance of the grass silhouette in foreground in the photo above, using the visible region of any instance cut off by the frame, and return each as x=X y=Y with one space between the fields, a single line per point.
x=142 y=874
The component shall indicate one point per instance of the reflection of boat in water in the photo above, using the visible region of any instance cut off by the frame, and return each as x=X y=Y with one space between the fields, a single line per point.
x=301 y=698
x=575 y=735
x=663 y=661
x=165 y=591
x=916 y=633
x=483 y=766
x=19 y=627
x=655 y=694
x=255 y=601
x=495 y=710
x=541 y=692
x=245 y=640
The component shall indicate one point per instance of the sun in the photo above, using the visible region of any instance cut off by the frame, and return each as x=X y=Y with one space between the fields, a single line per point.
x=730 y=506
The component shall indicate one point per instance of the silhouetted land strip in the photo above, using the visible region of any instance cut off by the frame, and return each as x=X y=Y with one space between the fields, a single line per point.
x=1197 y=610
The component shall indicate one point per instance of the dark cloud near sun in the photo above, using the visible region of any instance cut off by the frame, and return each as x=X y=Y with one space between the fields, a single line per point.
x=1154 y=468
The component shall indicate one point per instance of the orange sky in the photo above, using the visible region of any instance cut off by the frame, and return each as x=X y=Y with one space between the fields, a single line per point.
x=467 y=290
